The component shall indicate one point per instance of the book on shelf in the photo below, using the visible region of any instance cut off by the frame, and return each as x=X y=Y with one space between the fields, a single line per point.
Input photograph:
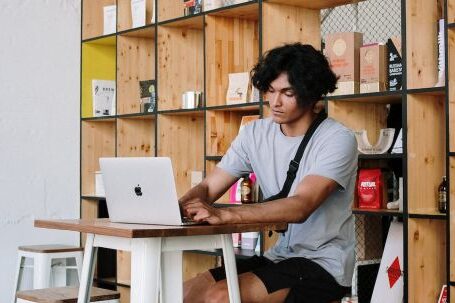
x=110 y=19
x=138 y=13
x=147 y=90
x=237 y=92
x=103 y=93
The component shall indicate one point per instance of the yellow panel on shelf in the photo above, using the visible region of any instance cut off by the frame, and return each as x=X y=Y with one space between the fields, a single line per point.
x=98 y=62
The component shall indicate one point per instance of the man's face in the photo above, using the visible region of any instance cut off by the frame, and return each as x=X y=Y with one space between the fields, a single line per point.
x=283 y=101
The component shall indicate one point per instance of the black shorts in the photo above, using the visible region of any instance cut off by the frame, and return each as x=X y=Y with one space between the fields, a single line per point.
x=308 y=281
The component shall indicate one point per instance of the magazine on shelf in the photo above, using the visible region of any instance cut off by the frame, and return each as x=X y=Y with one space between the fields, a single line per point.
x=103 y=93
x=138 y=13
x=110 y=19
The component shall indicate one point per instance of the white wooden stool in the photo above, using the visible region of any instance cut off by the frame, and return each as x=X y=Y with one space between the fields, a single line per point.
x=42 y=256
x=65 y=295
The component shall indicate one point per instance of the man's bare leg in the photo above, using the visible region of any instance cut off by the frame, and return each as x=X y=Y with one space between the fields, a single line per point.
x=204 y=289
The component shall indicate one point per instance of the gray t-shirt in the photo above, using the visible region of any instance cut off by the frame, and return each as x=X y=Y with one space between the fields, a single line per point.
x=327 y=236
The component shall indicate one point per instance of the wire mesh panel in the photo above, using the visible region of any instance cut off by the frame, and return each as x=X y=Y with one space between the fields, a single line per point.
x=378 y=20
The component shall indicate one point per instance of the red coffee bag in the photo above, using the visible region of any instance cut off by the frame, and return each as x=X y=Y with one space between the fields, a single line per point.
x=370 y=188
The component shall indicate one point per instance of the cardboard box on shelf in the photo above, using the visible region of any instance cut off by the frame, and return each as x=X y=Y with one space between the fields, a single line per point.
x=342 y=50
x=373 y=68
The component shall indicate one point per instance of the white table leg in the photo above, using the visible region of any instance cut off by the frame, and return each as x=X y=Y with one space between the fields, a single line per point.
x=171 y=277
x=88 y=266
x=145 y=269
x=231 y=269
x=42 y=271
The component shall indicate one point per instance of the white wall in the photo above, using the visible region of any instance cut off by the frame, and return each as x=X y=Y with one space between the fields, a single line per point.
x=39 y=124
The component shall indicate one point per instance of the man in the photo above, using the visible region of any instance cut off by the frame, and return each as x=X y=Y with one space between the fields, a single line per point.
x=313 y=260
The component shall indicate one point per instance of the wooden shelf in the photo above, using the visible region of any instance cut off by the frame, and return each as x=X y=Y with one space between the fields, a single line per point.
x=124 y=21
x=179 y=71
x=421 y=43
x=138 y=116
x=248 y=10
x=213 y=158
x=388 y=97
x=98 y=62
x=135 y=137
x=377 y=212
x=188 y=22
x=93 y=197
x=232 y=46
x=380 y=156
x=429 y=215
x=186 y=152
x=136 y=62
x=430 y=91
x=428 y=159
x=98 y=140
x=221 y=129
x=92 y=17
x=283 y=22
x=426 y=259
x=100 y=119
x=244 y=107
x=311 y=4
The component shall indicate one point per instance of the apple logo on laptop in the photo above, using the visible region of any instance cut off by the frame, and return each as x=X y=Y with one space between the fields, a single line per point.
x=138 y=190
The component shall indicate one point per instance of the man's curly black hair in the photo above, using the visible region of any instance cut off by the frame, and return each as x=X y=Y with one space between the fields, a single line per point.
x=308 y=72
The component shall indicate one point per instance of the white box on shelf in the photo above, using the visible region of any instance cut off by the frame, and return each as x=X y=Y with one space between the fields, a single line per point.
x=138 y=13
x=238 y=88
x=110 y=19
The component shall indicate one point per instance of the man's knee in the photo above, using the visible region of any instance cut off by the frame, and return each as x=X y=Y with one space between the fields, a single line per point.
x=217 y=293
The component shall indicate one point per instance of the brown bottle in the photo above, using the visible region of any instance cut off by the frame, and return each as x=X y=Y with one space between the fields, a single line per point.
x=246 y=190
x=442 y=195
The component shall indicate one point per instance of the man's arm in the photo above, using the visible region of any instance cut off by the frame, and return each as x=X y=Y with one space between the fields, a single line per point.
x=211 y=188
x=310 y=193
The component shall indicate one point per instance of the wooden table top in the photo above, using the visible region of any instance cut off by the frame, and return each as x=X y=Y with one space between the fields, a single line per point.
x=107 y=228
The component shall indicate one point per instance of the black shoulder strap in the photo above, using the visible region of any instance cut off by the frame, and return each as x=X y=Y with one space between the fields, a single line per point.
x=294 y=164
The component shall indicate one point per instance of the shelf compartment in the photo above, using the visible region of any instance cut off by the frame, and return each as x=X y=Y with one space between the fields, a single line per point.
x=247 y=10
x=315 y=5
x=135 y=137
x=232 y=46
x=136 y=62
x=186 y=151
x=209 y=167
x=426 y=259
x=357 y=115
x=179 y=71
x=98 y=140
x=125 y=21
x=388 y=97
x=285 y=23
x=98 y=62
x=93 y=16
x=451 y=83
x=222 y=128
x=425 y=123
x=170 y=9
x=377 y=212
x=421 y=42
x=452 y=220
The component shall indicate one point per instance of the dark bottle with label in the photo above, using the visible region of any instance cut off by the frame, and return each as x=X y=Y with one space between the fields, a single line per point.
x=246 y=190
x=442 y=195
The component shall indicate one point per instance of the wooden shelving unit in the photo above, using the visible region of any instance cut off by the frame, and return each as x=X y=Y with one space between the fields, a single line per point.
x=196 y=53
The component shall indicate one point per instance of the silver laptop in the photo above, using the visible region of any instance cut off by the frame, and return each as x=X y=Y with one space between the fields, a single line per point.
x=141 y=190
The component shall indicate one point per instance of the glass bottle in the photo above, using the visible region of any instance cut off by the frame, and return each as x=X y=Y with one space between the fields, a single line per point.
x=442 y=195
x=246 y=190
